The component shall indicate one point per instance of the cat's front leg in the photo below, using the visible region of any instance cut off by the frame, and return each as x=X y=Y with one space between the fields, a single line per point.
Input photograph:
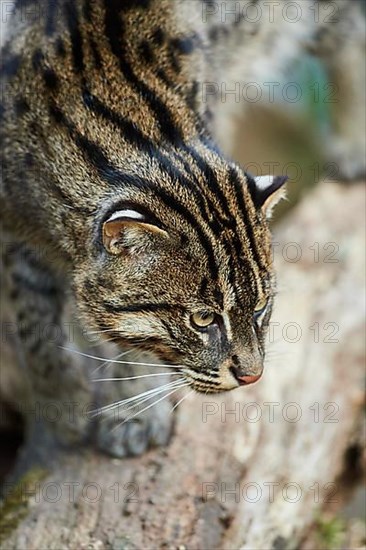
x=58 y=386
x=136 y=410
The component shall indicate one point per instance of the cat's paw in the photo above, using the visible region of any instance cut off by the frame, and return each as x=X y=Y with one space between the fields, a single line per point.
x=119 y=437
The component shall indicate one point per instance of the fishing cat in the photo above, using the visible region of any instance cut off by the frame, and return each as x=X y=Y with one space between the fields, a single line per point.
x=120 y=210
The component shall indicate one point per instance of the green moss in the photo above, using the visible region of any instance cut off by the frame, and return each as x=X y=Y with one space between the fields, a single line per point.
x=15 y=505
x=330 y=533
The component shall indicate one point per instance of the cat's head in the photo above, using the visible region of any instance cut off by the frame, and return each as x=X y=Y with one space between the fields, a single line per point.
x=187 y=274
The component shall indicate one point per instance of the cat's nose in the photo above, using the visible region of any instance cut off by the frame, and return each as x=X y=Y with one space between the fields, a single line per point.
x=242 y=378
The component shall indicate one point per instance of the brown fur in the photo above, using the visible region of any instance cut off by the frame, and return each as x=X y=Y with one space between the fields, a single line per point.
x=103 y=112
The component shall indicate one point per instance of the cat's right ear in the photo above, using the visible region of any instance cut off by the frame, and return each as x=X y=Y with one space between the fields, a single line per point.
x=127 y=231
x=267 y=191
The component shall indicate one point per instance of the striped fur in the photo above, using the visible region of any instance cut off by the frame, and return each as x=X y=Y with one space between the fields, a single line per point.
x=104 y=114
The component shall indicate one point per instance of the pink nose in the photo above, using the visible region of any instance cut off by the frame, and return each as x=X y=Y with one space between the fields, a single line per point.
x=246 y=380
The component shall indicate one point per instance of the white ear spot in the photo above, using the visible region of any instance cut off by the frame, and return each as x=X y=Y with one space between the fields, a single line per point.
x=131 y=214
x=263 y=182
x=268 y=190
x=124 y=231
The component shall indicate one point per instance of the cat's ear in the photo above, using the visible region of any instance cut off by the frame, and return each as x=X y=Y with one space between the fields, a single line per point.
x=267 y=191
x=128 y=230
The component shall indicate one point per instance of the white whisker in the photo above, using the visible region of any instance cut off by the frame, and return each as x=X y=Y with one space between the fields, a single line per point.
x=121 y=362
x=132 y=377
x=180 y=400
x=150 y=392
x=139 y=402
x=106 y=362
x=149 y=406
x=128 y=400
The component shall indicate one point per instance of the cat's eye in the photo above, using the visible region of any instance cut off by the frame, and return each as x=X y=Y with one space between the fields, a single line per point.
x=202 y=319
x=260 y=309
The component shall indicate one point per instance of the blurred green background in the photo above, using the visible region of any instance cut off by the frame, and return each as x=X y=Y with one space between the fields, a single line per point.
x=290 y=133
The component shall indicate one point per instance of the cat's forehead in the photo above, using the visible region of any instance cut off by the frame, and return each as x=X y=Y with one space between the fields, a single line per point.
x=237 y=284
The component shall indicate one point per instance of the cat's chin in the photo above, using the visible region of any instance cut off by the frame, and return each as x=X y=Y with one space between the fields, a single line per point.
x=227 y=384
x=208 y=389
x=211 y=391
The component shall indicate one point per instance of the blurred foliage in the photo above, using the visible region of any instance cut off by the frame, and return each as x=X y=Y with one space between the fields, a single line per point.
x=292 y=134
x=330 y=533
x=309 y=73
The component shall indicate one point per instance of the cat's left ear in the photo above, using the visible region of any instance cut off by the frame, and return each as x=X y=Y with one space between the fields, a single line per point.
x=267 y=191
x=128 y=230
